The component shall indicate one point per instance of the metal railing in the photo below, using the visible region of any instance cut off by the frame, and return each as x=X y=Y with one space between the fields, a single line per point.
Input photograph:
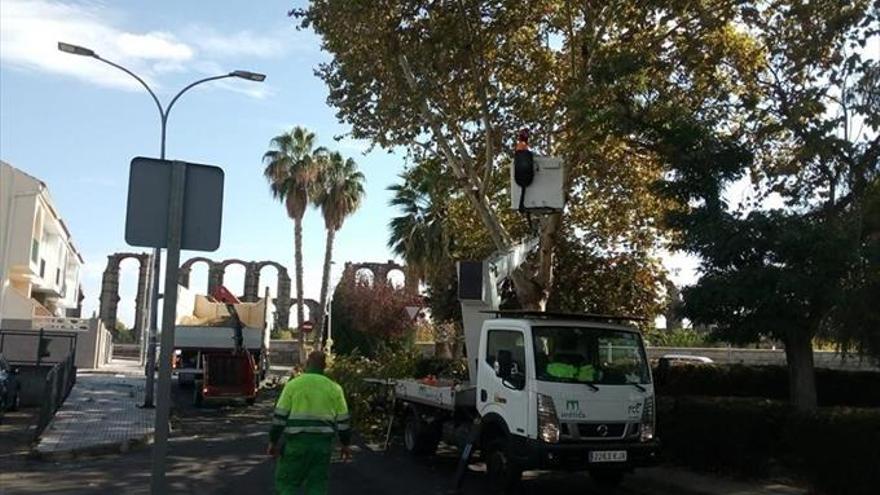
x=38 y=350
x=59 y=381
x=14 y=345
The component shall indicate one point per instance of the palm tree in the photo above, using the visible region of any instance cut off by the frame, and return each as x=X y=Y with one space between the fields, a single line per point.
x=338 y=192
x=422 y=238
x=419 y=235
x=291 y=167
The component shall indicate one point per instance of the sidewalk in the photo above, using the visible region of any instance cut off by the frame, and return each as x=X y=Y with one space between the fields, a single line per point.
x=101 y=415
x=667 y=479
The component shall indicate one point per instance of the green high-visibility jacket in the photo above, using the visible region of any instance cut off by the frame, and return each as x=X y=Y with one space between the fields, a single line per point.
x=586 y=373
x=561 y=370
x=314 y=404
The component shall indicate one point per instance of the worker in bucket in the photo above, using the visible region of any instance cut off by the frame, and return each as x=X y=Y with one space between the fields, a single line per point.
x=310 y=414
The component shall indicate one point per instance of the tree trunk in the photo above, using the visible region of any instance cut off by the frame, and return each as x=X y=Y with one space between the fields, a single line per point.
x=298 y=262
x=325 y=282
x=801 y=373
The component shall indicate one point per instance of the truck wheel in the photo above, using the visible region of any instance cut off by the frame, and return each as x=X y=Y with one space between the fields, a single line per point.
x=607 y=479
x=419 y=437
x=504 y=475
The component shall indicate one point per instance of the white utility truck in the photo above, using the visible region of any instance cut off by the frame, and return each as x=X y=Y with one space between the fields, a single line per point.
x=545 y=391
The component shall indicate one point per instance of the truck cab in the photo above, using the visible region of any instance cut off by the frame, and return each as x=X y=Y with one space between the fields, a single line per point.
x=564 y=391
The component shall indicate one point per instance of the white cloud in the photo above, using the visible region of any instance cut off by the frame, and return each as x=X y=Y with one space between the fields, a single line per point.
x=31 y=29
x=259 y=91
x=155 y=45
x=240 y=44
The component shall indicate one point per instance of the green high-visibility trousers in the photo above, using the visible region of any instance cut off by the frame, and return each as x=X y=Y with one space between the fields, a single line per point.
x=304 y=463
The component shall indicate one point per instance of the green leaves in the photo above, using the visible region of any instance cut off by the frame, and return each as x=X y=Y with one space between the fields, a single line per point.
x=291 y=167
x=338 y=189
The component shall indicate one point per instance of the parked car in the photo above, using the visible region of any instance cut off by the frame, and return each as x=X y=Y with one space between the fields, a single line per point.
x=679 y=359
x=10 y=388
x=670 y=360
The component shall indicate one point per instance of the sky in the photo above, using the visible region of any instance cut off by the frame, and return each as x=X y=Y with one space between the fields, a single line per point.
x=76 y=123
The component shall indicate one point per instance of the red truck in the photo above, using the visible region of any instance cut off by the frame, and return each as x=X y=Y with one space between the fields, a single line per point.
x=222 y=350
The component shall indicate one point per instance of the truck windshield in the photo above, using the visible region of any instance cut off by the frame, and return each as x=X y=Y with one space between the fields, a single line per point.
x=589 y=355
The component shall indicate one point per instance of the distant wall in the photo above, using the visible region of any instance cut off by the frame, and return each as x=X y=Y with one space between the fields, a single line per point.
x=283 y=353
x=93 y=341
x=722 y=355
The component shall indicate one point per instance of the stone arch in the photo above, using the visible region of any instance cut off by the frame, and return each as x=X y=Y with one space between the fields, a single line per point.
x=217 y=273
x=282 y=292
x=365 y=274
x=251 y=291
x=389 y=279
x=380 y=273
x=215 y=276
x=109 y=299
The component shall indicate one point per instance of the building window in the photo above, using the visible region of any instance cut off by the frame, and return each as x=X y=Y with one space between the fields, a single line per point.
x=42 y=268
x=57 y=276
x=35 y=250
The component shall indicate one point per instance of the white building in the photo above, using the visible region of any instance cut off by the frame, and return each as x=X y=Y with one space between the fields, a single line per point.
x=39 y=264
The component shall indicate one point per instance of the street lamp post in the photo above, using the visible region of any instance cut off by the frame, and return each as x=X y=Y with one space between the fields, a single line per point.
x=328 y=310
x=158 y=484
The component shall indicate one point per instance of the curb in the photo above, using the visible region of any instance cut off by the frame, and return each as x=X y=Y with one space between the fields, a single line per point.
x=669 y=484
x=122 y=447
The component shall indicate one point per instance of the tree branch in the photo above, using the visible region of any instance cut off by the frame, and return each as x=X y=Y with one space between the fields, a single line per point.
x=459 y=164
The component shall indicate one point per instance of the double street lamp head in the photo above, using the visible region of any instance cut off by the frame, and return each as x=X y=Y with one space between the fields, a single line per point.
x=76 y=50
x=86 y=52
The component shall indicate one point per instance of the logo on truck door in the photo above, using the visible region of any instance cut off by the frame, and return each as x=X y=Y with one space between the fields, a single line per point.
x=573 y=410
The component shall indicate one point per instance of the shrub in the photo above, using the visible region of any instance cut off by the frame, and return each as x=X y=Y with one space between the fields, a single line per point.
x=721 y=434
x=834 y=387
x=679 y=337
x=442 y=367
x=835 y=449
x=367 y=401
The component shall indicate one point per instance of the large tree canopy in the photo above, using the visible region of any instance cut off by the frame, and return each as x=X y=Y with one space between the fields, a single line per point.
x=695 y=96
x=809 y=265
x=454 y=80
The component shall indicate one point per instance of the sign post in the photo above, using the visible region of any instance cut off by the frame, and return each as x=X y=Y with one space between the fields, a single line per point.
x=173 y=205
x=158 y=483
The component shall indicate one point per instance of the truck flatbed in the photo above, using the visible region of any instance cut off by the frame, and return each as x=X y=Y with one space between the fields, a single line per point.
x=202 y=337
x=443 y=394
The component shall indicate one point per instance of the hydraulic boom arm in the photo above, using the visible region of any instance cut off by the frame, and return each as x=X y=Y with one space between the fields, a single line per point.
x=222 y=294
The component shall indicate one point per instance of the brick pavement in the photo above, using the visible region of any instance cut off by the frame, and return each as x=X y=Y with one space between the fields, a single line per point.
x=101 y=415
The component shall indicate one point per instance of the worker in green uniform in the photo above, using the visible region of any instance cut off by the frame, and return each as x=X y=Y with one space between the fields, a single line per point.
x=565 y=369
x=310 y=413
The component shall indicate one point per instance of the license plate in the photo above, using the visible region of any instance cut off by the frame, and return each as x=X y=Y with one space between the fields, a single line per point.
x=608 y=456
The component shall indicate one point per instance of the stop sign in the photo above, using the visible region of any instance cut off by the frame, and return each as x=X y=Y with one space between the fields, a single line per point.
x=306 y=327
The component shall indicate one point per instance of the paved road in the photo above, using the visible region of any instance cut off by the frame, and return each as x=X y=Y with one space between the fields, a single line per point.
x=221 y=451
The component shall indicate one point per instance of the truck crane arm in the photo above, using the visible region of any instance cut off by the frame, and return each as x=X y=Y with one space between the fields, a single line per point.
x=223 y=295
